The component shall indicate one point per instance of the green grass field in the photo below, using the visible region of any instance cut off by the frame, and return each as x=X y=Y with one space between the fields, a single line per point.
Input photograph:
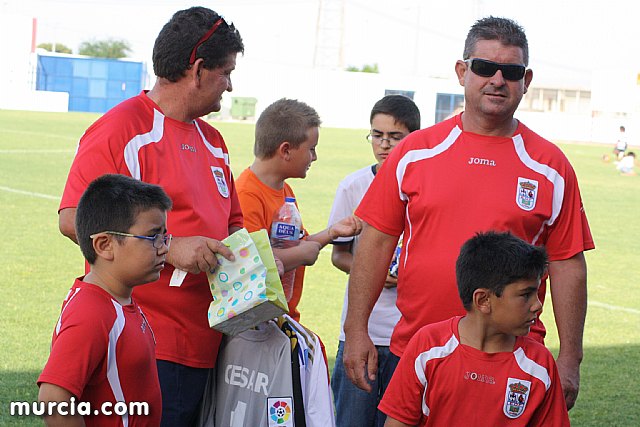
x=39 y=264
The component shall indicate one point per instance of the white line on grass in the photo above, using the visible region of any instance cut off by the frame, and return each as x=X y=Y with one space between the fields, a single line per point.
x=324 y=250
x=29 y=193
x=38 y=134
x=614 y=307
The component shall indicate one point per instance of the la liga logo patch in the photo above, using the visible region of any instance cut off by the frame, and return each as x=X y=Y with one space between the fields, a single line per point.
x=280 y=411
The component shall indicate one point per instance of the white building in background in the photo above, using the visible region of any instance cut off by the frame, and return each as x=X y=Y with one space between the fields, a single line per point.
x=343 y=99
x=17 y=73
x=590 y=111
x=574 y=108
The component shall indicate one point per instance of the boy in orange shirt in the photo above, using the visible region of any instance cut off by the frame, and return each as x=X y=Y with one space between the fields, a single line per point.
x=285 y=146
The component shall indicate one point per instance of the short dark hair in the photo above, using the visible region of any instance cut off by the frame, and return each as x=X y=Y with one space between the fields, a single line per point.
x=112 y=203
x=284 y=120
x=506 y=31
x=492 y=260
x=179 y=36
x=401 y=108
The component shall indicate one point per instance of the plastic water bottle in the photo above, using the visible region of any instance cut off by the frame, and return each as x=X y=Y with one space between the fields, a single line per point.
x=286 y=225
x=285 y=233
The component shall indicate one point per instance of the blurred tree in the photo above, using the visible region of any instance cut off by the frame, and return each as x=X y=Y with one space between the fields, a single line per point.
x=366 y=68
x=60 y=48
x=109 y=48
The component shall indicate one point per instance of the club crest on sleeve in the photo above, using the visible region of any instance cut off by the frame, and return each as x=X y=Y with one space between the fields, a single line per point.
x=516 y=396
x=526 y=193
x=221 y=182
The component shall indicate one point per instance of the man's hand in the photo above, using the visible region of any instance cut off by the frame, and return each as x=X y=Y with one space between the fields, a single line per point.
x=360 y=353
x=569 y=372
x=196 y=254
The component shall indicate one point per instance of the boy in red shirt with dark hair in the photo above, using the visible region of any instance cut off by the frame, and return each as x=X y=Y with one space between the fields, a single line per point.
x=103 y=349
x=482 y=369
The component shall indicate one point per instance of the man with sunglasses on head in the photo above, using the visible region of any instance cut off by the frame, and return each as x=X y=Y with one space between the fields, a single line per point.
x=158 y=137
x=478 y=171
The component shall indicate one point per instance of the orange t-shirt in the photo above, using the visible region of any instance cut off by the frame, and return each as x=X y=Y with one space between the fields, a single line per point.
x=259 y=203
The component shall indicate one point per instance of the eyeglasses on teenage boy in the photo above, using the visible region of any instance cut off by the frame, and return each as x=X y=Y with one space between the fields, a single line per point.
x=378 y=138
x=157 y=240
x=486 y=68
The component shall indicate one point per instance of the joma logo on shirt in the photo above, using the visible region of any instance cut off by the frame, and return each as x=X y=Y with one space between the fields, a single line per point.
x=481 y=162
x=246 y=378
x=188 y=147
x=474 y=376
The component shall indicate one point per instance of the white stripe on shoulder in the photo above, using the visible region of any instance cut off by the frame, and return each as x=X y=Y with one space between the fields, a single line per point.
x=71 y=295
x=216 y=151
x=532 y=368
x=551 y=174
x=112 y=363
x=137 y=142
x=420 y=365
x=425 y=153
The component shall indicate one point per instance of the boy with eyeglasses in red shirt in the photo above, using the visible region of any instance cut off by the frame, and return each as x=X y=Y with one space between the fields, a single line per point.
x=103 y=348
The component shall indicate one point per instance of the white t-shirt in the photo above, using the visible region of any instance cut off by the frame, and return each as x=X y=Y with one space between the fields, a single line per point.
x=385 y=314
x=314 y=378
x=626 y=164
x=621 y=144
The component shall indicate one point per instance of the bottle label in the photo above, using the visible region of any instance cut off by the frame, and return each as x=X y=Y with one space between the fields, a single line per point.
x=282 y=230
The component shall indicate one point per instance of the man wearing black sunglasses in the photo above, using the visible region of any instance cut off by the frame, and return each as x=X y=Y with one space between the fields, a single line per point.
x=481 y=170
x=158 y=137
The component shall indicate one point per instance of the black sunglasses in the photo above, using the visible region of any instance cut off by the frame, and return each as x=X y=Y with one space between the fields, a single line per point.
x=484 y=68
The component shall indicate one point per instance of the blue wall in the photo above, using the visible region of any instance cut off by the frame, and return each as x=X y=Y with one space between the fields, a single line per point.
x=94 y=84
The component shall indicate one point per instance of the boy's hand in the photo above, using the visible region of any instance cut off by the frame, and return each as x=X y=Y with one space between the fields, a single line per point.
x=346 y=227
x=196 y=254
